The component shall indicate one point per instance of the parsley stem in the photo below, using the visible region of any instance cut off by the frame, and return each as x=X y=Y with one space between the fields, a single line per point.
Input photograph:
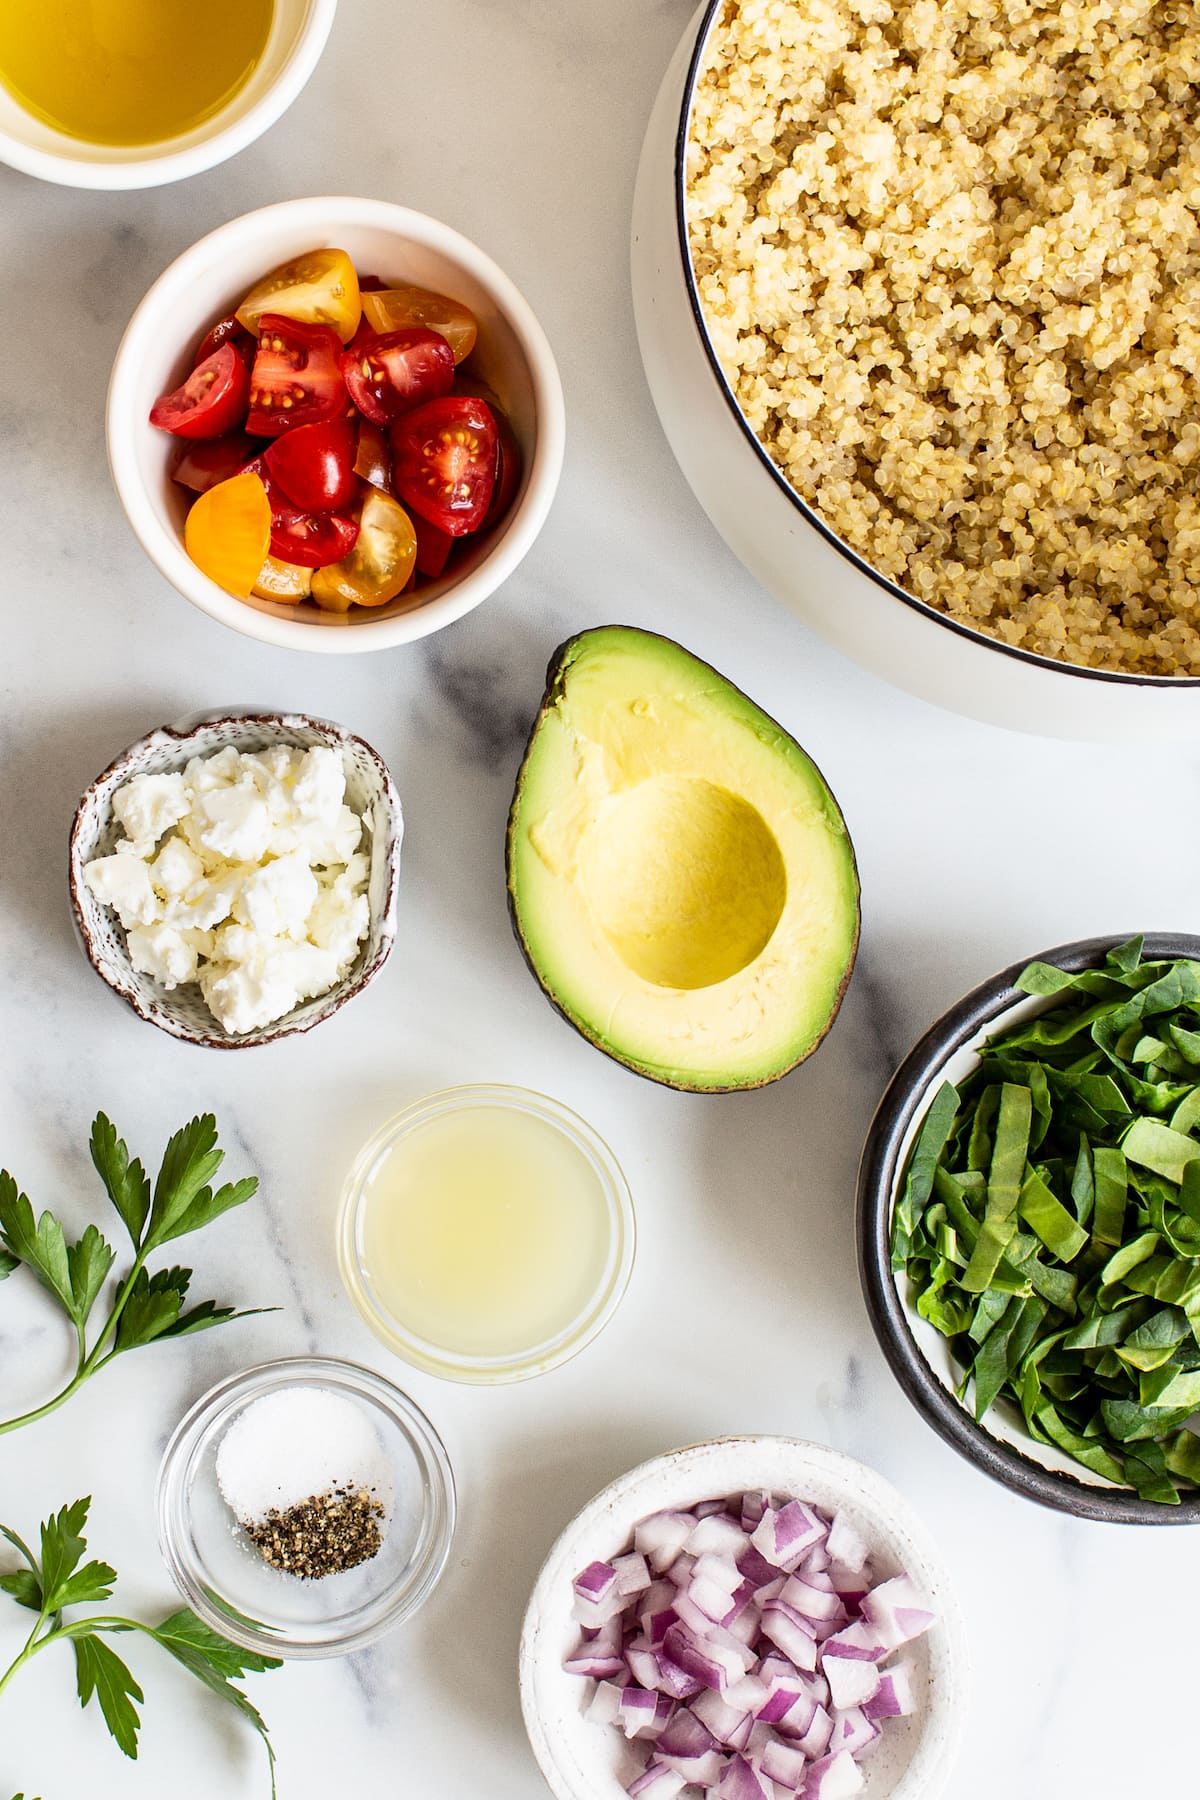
x=48 y=1406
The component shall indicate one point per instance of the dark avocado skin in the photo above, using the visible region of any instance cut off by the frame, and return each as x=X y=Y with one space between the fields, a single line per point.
x=556 y=673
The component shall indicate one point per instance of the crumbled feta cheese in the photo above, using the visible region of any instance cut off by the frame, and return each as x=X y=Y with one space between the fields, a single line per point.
x=147 y=805
x=162 y=951
x=259 y=893
x=278 y=898
x=235 y=822
x=175 y=868
x=123 y=882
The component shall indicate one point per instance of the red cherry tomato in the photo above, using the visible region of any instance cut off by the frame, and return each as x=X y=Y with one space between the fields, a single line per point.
x=444 y=463
x=210 y=402
x=295 y=379
x=433 y=547
x=370 y=284
x=309 y=539
x=226 y=331
x=508 y=451
x=373 y=461
x=314 y=465
x=386 y=375
x=202 y=465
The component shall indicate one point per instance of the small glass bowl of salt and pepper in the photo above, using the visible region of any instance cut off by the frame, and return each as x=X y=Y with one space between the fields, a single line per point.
x=305 y=1507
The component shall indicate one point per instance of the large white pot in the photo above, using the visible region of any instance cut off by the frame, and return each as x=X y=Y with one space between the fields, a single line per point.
x=784 y=544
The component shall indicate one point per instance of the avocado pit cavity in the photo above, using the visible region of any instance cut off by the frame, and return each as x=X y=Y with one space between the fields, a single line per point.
x=686 y=880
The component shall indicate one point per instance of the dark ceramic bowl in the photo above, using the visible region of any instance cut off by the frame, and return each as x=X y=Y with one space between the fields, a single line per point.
x=919 y=1356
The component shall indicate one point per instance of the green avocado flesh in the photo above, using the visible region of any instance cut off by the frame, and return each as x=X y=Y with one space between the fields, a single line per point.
x=680 y=877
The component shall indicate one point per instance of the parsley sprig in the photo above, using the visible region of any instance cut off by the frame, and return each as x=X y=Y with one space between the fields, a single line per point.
x=147 y=1307
x=61 y=1579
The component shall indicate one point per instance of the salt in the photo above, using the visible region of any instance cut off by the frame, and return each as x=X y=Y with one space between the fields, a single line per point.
x=295 y=1444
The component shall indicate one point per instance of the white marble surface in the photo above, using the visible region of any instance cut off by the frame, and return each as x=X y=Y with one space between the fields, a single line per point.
x=519 y=122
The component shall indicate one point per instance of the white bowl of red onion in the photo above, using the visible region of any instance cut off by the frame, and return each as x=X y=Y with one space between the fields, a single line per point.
x=752 y=1618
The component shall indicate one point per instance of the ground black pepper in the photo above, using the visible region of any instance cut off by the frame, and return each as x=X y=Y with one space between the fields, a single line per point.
x=323 y=1535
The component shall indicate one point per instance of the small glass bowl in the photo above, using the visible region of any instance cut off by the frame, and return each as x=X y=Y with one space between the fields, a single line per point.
x=536 y=1358
x=223 y=1577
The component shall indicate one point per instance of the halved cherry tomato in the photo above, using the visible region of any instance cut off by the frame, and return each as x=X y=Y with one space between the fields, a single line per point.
x=433 y=547
x=311 y=539
x=200 y=465
x=373 y=461
x=444 y=463
x=380 y=564
x=288 y=582
x=295 y=379
x=227 y=532
x=319 y=288
x=401 y=308
x=386 y=375
x=210 y=402
x=225 y=331
x=314 y=465
x=508 y=470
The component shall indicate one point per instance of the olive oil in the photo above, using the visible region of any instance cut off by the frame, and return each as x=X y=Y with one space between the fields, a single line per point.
x=485 y=1232
x=129 y=72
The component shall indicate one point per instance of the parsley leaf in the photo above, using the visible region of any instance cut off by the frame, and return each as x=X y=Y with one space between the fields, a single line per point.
x=146 y=1307
x=40 y=1246
x=126 y=1183
x=64 y=1580
x=100 y=1671
x=189 y=1164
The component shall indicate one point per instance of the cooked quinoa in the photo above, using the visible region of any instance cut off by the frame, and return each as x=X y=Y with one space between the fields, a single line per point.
x=948 y=253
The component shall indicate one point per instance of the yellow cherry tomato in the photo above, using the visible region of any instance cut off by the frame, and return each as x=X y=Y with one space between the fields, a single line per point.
x=227 y=533
x=399 y=308
x=283 y=581
x=319 y=288
x=378 y=567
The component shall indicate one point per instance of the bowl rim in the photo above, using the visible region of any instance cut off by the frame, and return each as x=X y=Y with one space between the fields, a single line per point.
x=325 y=216
x=862 y=1484
x=878 y=1177
x=169 y=160
x=711 y=12
x=603 y=1303
x=247 y=1385
x=182 y=732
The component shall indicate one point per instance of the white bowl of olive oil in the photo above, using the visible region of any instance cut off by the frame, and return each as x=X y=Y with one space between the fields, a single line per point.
x=133 y=93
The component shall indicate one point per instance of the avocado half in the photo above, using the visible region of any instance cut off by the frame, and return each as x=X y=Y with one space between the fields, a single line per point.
x=680 y=877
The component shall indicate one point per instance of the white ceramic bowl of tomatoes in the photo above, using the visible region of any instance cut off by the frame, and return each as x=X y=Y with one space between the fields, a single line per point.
x=335 y=425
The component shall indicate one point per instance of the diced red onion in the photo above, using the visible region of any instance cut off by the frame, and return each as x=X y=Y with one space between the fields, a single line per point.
x=597 y=1580
x=845 y=1544
x=632 y=1573
x=833 y=1778
x=745 y=1640
x=730 y=1725
x=785 y=1763
x=657 y=1783
x=662 y=1536
x=895 y=1608
x=894 y=1698
x=850 y=1682
x=740 y=1782
x=853 y=1732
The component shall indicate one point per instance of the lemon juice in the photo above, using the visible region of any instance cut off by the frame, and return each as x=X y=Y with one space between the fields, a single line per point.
x=129 y=71
x=485 y=1232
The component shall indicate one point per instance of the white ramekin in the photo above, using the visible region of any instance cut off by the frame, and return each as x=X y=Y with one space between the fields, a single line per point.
x=299 y=29
x=208 y=280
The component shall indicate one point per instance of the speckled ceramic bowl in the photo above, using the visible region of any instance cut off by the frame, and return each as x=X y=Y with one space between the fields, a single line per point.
x=919 y=1355
x=94 y=832
x=583 y=1760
